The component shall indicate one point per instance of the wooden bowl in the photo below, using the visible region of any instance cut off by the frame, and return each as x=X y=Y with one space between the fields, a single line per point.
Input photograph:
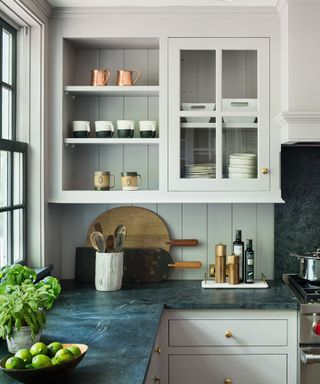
x=45 y=375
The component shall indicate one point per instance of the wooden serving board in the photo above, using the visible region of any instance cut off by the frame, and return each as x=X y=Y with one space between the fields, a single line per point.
x=145 y=229
x=213 y=284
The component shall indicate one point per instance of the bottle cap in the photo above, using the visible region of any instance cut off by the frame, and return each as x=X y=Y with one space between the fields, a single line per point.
x=249 y=243
x=238 y=234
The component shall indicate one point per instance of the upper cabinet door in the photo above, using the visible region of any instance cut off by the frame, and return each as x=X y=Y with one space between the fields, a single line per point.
x=219 y=114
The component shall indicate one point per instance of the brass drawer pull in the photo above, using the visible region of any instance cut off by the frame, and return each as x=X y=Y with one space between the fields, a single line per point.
x=265 y=171
x=157 y=350
x=228 y=381
x=228 y=334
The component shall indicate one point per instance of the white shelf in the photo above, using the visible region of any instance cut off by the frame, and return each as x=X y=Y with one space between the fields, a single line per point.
x=94 y=140
x=155 y=196
x=110 y=90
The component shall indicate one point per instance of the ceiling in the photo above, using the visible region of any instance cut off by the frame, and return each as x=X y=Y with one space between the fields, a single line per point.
x=160 y=3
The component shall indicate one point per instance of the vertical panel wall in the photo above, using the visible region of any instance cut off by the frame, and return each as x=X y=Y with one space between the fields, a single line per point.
x=209 y=223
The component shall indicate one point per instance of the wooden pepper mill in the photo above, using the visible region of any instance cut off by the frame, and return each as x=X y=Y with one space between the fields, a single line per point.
x=221 y=252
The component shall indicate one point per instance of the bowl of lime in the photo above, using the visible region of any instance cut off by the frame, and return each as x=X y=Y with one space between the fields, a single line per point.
x=43 y=363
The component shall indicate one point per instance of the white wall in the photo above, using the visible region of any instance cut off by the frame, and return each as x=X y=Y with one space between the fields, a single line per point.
x=209 y=223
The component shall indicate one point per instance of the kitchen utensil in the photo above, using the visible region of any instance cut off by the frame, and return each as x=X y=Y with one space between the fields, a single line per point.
x=97 y=227
x=151 y=265
x=144 y=228
x=97 y=241
x=110 y=244
x=120 y=235
x=139 y=264
x=309 y=265
x=45 y=375
x=124 y=77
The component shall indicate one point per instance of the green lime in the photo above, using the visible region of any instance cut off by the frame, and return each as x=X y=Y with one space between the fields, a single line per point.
x=53 y=348
x=41 y=361
x=75 y=350
x=39 y=349
x=54 y=361
x=15 y=363
x=25 y=355
x=63 y=355
x=29 y=366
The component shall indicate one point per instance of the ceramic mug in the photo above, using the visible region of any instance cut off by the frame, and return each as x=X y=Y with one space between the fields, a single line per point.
x=125 y=128
x=104 y=128
x=129 y=181
x=102 y=180
x=147 y=128
x=80 y=128
x=99 y=76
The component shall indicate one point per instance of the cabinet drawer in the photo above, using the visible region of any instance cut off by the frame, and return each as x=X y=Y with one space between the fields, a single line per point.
x=217 y=369
x=244 y=332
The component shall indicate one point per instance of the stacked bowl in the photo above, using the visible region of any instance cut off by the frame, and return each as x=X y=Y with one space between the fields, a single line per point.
x=242 y=166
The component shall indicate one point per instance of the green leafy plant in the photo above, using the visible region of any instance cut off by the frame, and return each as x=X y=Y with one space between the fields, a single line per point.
x=15 y=274
x=24 y=304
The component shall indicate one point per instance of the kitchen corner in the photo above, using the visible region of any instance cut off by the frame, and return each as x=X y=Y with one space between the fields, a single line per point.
x=120 y=327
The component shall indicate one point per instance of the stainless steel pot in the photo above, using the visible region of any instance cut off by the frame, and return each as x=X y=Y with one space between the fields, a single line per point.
x=309 y=265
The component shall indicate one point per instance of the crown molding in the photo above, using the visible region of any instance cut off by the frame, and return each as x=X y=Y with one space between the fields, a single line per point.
x=299 y=126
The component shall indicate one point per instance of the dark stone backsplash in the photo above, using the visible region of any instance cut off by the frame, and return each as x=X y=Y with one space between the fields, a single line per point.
x=297 y=222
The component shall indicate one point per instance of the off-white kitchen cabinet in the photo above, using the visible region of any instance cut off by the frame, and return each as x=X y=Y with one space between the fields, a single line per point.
x=228 y=346
x=189 y=160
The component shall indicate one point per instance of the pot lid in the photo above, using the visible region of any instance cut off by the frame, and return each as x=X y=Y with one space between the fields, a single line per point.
x=307 y=255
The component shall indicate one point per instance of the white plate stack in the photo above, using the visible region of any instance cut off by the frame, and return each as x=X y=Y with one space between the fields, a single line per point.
x=242 y=166
x=204 y=171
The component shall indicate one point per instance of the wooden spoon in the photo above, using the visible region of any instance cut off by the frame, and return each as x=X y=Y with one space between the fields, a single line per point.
x=110 y=243
x=98 y=242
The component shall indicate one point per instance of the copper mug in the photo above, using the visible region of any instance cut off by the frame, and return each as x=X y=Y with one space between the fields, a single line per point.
x=124 y=77
x=100 y=76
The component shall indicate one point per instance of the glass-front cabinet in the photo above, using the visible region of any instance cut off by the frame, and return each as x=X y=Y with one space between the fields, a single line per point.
x=218 y=114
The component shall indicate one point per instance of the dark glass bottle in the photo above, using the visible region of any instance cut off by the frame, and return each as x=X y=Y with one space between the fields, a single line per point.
x=238 y=250
x=249 y=263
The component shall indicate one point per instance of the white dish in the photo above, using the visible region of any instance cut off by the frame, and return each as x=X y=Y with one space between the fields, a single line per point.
x=243 y=171
x=196 y=107
x=243 y=156
x=239 y=105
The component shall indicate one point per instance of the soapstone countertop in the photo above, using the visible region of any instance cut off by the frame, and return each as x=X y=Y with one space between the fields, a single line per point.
x=120 y=327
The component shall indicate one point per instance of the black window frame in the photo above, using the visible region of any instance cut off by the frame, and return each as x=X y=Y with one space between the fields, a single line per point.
x=13 y=146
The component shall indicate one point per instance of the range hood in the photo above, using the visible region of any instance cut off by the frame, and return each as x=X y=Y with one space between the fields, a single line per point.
x=299 y=127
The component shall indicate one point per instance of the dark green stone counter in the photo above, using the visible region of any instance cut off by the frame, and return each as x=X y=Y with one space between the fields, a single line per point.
x=120 y=327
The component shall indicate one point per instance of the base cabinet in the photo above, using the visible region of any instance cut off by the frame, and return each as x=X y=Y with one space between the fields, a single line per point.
x=226 y=347
x=227 y=369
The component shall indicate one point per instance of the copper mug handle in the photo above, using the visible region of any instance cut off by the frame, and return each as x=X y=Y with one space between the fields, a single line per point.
x=137 y=78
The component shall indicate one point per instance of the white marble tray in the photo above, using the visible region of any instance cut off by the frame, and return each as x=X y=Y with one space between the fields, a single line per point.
x=213 y=284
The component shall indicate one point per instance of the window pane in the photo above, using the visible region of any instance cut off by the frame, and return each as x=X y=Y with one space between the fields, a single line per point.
x=17 y=178
x=18 y=235
x=7 y=57
x=4 y=169
x=6 y=114
x=4 y=238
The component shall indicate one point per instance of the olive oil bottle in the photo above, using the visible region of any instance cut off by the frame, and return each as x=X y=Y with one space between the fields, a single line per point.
x=238 y=250
x=249 y=263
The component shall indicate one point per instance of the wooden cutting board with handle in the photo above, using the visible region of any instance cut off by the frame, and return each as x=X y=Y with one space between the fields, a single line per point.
x=145 y=229
x=140 y=265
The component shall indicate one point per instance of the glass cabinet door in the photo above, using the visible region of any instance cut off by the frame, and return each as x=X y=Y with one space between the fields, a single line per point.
x=218 y=114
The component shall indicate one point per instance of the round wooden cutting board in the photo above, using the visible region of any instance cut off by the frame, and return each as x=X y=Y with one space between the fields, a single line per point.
x=144 y=228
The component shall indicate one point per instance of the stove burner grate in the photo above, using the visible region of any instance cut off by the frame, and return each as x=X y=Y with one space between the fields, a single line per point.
x=310 y=291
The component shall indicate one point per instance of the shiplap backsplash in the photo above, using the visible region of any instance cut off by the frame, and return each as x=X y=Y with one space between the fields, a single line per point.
x=209 y=223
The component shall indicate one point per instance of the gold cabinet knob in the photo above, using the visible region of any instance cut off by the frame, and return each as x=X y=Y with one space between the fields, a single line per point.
x=228 y=334
x=156 y=380
x=265 y=171
x=157 y=350
x=228 y=381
